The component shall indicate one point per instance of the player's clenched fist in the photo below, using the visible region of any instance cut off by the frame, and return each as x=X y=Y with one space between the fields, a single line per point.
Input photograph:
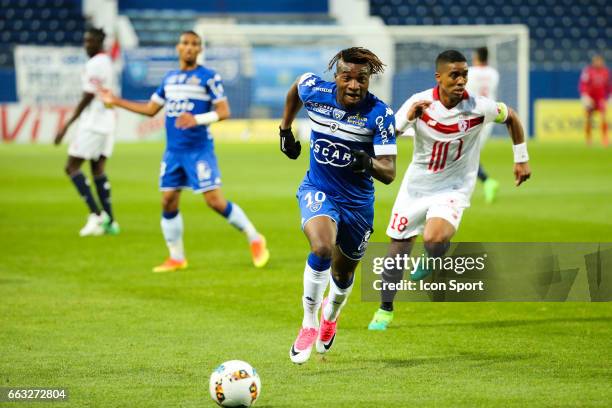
x=417 y=109
x=288 y=144
x=361 y=161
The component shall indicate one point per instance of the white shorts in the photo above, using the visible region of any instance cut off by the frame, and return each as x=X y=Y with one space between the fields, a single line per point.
x=90 y=145
x=412 y=210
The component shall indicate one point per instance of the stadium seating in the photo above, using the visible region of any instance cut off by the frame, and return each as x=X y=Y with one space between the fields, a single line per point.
x=564 y=33
x=40 y=22
x=162 y=27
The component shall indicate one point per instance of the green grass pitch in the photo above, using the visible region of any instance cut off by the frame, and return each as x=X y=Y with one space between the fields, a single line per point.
x=87 y=314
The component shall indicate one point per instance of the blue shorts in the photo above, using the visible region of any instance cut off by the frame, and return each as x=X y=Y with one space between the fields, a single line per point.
x=197 y=170
x=353 y=225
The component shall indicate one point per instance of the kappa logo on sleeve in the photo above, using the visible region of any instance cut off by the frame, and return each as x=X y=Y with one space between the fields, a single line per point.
x=307 y=80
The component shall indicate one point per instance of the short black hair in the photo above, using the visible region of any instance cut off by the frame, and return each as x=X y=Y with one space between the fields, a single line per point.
x=98 y=33
x=448 y=57
x=358 y=55
x=483 y=54
x=191 y=32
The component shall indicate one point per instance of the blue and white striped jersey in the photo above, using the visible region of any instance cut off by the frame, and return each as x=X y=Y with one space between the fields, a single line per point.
x=194 y=91
x=335 y=131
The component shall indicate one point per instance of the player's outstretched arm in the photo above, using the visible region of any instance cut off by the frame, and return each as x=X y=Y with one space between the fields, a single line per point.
x=221 y=112
x=83 y=103
x=149 y=108
x=522 y=172
x=288 y=145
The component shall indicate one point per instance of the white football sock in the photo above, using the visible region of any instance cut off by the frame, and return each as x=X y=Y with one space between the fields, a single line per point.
x=336 y=299
x=238 y=219
x=173 y=234
x=315 y=283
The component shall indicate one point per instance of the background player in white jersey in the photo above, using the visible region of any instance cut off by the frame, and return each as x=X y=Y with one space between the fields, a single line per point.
x=440 y=179
x=94 y=138
x=352 y=141
x=483 y=80
x=194 y=98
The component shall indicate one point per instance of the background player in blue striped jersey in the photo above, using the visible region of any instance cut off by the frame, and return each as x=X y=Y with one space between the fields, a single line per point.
x=193 y=97
x=352 y=141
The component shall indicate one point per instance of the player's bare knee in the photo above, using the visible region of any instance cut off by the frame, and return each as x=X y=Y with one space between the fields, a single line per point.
x=435 y=237
x=70 y=169
x=169 y=203
x=97 y=171
x=322 y=249
x=166 y=204
x=97 y=167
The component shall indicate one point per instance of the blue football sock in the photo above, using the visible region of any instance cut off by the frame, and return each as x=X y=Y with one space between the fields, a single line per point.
x=82 y=185
x=103 y=188
x=482 y=175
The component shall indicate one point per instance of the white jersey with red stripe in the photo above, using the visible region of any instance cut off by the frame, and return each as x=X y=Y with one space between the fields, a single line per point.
x=98 y=73
x=446 y=142
x=482 y=81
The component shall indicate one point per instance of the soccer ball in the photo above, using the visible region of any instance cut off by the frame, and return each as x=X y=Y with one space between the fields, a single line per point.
x=235 y=384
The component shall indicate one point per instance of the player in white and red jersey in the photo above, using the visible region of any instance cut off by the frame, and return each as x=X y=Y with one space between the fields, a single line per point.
x=482 y=81
x=437 y=186
x=94 y=138
x=595 y=89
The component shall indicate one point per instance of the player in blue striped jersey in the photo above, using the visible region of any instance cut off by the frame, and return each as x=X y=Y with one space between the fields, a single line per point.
x=352 y=141
x=193 y=97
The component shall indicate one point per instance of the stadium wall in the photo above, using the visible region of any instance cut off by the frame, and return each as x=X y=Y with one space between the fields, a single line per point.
x=24 y=123
x=544 y=84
